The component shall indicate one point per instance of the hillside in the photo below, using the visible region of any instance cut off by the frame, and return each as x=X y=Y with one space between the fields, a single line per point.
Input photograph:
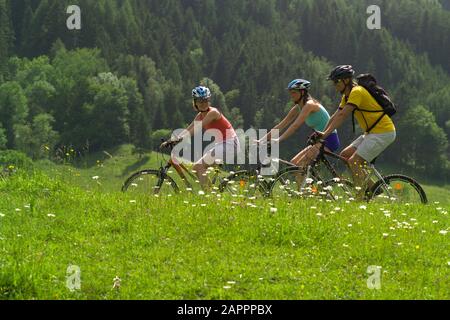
x=151 y=54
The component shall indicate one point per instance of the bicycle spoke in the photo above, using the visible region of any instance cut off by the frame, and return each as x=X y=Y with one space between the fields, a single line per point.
x=290 y=184
x=397 y=189
x=150 y=182
x=339 y=189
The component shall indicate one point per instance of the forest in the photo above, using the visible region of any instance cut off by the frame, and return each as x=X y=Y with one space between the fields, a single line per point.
x=126 y=76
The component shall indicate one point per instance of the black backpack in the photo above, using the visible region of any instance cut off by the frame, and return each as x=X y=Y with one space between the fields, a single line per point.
x=368 y=82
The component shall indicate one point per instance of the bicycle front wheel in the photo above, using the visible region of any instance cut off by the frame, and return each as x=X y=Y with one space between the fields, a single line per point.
x=150 y=182
x=397 y=188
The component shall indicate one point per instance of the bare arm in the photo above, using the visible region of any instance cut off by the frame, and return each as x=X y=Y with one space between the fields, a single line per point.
x=339 y=118
x=188 y=131
x=212 y=115
x=283 y=124
x=332 y=119
x=306 y=111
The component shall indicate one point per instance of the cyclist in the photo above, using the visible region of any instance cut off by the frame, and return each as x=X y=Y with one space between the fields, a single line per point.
x=226 y=142
x=307 y=110
x=379 y=133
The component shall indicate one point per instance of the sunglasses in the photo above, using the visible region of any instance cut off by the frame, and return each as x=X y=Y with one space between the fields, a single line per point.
x=200 y=100
x=337 y=81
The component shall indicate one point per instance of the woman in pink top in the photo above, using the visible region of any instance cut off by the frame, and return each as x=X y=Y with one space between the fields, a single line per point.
x=226 y=141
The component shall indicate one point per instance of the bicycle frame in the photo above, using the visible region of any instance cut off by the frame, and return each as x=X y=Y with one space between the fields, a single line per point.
x=319 y=158
x=182 y=171
x=322 y=158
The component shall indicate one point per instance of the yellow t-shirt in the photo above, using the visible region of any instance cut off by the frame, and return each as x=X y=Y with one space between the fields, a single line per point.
x=361 y=98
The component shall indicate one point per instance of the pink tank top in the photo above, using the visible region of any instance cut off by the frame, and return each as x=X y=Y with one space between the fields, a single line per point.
x=223 y=125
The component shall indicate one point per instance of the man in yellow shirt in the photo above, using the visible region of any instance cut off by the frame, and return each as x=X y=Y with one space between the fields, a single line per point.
x=379 y=132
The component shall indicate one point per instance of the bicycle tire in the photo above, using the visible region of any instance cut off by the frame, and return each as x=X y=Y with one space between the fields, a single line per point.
x=346 y=187
x=374 y=192
x=157 y=187
x=290 y=191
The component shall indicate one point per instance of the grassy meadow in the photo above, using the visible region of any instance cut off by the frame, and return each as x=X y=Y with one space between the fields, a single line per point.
x=213 y=246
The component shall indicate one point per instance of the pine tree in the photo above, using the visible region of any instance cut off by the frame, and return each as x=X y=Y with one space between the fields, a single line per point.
x=6 y=33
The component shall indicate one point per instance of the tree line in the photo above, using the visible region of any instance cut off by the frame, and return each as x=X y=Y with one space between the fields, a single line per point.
x=126 y=76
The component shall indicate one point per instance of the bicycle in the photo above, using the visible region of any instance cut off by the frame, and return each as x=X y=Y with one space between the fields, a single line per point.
x=377 y=188
x=250 y=181
x=159 y=181
x=287 y=182
x=284 y=182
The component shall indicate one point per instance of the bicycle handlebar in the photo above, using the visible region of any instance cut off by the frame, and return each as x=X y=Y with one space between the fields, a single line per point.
x=169 y=143
x=314 y=139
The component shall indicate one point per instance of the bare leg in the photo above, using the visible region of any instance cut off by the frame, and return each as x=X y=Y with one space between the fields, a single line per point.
x=303 y=159
x=348 y=152
x=200 y=169
x=299 y=156
x=357 y=166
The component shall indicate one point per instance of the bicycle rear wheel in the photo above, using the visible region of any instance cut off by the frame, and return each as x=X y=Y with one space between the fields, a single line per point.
x=150 y=182
x=397 y=188
x=339 y=189
x=290 y=184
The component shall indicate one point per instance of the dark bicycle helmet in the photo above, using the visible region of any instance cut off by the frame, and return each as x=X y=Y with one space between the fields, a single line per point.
x=341 y=72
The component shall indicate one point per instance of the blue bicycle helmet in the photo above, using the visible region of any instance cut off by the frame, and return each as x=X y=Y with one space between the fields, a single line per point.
x=299 y=84
x=201 y=93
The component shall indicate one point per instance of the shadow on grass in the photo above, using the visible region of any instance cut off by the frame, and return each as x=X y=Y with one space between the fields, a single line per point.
x=115 y=154
x=89 y=160
x=135 y=166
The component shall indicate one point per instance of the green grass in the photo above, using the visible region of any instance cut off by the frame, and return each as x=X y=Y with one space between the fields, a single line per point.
x=438 y=194
x=192 y=246
x=114 y=166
